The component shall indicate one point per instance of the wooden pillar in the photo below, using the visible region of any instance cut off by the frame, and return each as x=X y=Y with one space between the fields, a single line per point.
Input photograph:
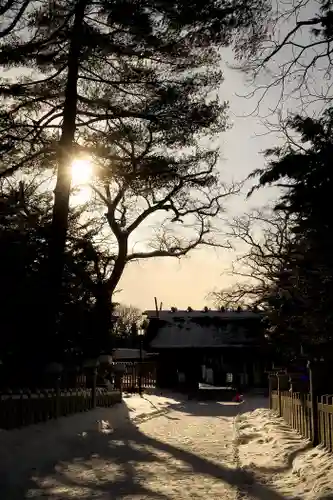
x=119 y=370
x=118 y=383
x=94 y=388
x=58 y=396
x=298 y=383
x=256 y=374
x=246 y=373
x=317 y=375
x=56 y=369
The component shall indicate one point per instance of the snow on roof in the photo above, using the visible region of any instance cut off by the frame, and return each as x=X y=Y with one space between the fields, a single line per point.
x=167 y=315
x=124 y=353
x=191 y=334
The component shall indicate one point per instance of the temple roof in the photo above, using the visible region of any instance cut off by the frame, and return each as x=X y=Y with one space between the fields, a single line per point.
x=203 y=330
x=234 y=315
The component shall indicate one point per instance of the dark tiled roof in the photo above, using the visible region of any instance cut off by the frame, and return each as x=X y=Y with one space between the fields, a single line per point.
x=190 y=333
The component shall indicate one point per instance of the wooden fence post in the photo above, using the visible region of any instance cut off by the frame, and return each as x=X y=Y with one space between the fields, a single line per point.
x=283 y=385
x=299 y=385
x=272 y=386
x=56 y=370
x=314 y=393
x=58 y=397
x=94 y=388
x=119 y=371
x=320 y=383
x=92 y=366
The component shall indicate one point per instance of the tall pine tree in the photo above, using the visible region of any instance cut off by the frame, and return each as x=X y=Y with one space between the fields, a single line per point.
x=153 y=61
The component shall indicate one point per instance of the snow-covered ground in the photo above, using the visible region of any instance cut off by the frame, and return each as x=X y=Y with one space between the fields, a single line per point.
x=156 y=447
x=275 y=456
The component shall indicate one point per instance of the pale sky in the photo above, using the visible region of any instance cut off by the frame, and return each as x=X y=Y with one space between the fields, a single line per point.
x=187 y=281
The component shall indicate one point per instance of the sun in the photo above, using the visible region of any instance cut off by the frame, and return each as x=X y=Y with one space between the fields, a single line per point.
x=81 y=171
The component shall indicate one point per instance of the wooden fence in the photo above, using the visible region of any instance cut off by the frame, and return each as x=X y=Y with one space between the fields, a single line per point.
x=325 y=421
x=24 y=408
x=19 y=410
x=297 y=411
x=130 y=380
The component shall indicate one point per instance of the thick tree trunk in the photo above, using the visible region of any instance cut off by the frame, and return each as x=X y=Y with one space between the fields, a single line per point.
x=63 y=184
x=103 y=322
x=119 y=264
x=104 y=307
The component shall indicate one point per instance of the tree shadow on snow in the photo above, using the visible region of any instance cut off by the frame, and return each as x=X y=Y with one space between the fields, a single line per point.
x=205 y=408
x=112 y=464
x=211 y=408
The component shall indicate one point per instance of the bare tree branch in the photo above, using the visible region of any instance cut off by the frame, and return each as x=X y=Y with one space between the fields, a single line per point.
x=183 y=193
x=295 y=59
x=264 y=237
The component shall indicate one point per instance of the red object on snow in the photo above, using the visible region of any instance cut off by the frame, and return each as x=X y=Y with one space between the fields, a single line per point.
x=238 y=398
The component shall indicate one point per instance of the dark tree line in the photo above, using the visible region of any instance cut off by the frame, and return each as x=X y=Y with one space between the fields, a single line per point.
x=301 y=300
x=25 y=224
x=289 y=262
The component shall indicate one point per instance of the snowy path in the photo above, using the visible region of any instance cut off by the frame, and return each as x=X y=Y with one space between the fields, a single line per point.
x=163 y=448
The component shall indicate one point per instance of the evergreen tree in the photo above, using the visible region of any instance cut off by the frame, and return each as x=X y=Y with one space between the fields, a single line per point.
x=153 y=61
x=25 y=221
x=301 y=297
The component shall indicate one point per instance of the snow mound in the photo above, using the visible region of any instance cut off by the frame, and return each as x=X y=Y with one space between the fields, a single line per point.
x=276 y=455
